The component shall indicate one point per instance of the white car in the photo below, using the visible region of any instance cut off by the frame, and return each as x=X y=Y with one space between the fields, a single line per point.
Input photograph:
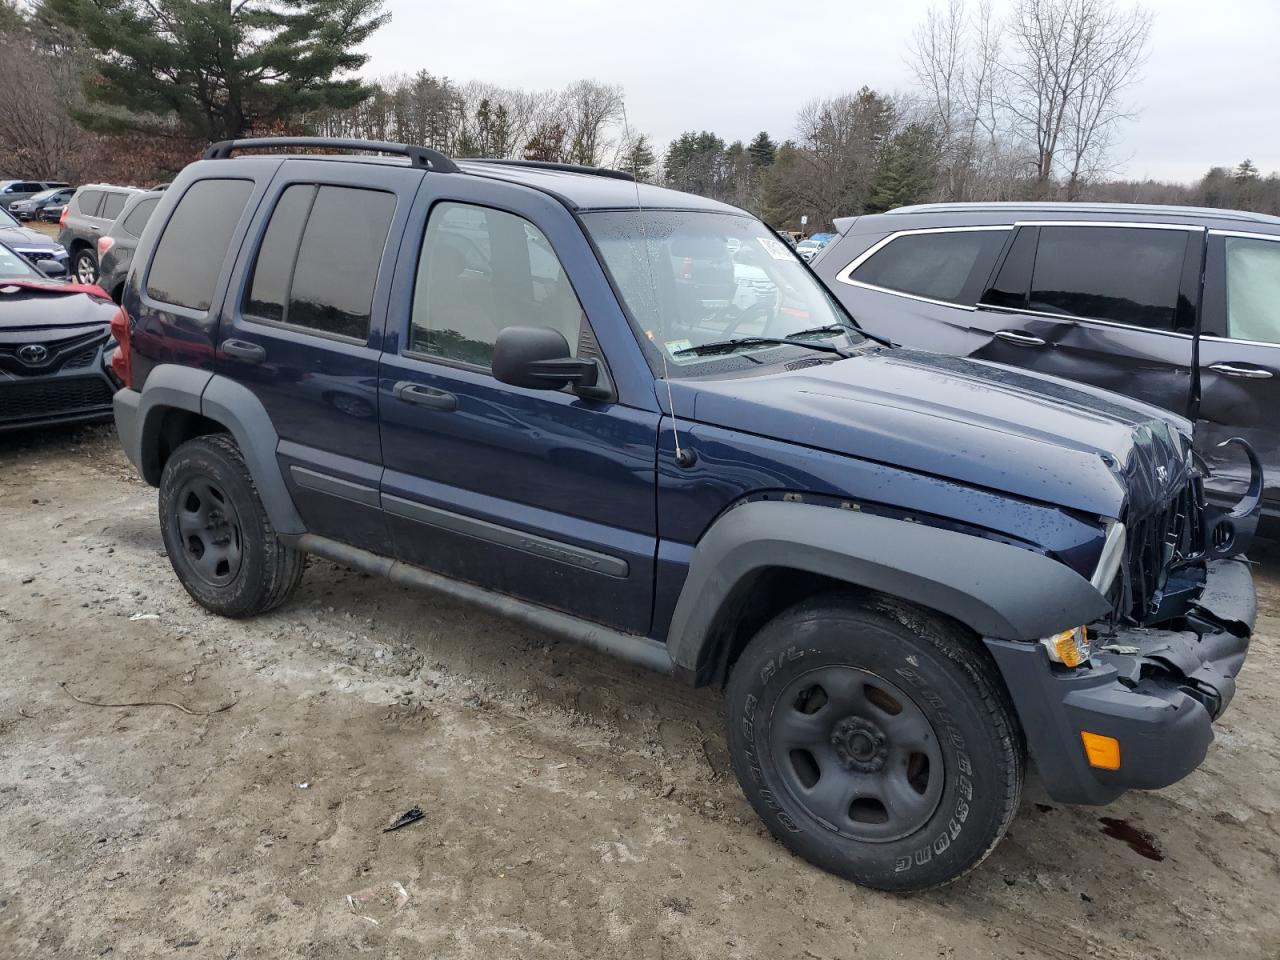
x=809 y=248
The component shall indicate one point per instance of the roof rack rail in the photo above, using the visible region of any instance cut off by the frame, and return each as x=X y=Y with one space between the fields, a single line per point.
x=553 y=165
x=423 y=157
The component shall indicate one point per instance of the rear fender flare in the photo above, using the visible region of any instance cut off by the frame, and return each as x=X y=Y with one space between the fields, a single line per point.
x=996 y=589
x=170 y=386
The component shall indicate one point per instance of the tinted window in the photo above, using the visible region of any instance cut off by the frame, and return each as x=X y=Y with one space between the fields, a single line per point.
x=934 y=265
x=1123 y=274
x=338 y=261
x=1253 y=289
x=188 y=258
x=87 y=202
x=139 y=215
x=273 y=271
x=112 y=206
x=480 y=271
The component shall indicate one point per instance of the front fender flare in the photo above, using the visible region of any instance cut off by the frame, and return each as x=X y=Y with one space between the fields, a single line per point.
x=996 y=589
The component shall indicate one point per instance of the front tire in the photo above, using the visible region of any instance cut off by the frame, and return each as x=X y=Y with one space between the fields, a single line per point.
x=875 y=740
x=217 y=533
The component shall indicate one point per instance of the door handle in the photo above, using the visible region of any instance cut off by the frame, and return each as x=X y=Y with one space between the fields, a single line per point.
x=421 y=396
x=1021 y=339
x=243 y=350
x=1243 y=373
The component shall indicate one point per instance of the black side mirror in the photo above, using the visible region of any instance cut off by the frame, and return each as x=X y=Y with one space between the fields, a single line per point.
x=538 y=358
x=51 y=268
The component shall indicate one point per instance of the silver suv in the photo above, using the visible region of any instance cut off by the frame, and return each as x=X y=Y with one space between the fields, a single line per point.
x=87 y=217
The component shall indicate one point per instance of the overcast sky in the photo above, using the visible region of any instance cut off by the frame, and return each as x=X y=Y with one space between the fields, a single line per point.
x=1210 y=92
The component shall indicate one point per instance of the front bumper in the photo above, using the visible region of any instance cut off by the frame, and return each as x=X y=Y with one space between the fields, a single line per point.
x=1156 y=691
x=79 y=392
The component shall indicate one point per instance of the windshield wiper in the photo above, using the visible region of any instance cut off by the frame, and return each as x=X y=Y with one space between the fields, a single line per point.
x=728 y=346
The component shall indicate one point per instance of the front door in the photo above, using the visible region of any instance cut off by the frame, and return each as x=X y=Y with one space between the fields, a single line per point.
x=303 y=328
x=544 y=495
x=1113 y=306
x=1240 y=360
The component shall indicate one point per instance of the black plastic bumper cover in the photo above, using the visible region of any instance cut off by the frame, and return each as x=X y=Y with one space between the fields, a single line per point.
x=1155 y=691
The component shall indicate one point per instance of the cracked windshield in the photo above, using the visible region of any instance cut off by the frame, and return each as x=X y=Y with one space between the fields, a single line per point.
x=701 y=285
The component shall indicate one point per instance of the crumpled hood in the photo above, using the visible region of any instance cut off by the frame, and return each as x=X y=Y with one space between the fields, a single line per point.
x=1032 y=436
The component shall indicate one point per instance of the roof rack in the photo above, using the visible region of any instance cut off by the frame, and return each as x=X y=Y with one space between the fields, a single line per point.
x=423 y=157
x=563 y=167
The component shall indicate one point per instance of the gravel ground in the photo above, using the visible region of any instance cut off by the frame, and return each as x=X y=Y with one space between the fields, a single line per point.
x=574 y=807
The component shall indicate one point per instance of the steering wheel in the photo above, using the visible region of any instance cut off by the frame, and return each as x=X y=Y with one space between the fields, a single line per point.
x=745 y=314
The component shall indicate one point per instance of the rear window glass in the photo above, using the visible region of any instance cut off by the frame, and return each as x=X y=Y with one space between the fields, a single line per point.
x=318 y=263
x=189 y=256
x=139 y=215
x=1123 y=274
x=934 y=265
x=112 y=206
x=87 y=201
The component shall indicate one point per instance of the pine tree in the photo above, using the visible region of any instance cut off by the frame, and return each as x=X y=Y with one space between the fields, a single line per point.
x=218 y=69
x=763 y=150
x=639 y=160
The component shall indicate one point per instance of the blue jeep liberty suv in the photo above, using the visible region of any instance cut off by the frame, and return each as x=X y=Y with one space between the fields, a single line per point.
x=634 y=418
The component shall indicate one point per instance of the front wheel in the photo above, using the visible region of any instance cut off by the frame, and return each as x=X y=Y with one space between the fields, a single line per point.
x=875 y=740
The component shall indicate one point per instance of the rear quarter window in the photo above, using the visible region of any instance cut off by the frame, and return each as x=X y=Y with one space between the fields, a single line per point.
x=112 y=206
x=188 y=259
x=948 y=266
x=86 y=201
x=139 y=215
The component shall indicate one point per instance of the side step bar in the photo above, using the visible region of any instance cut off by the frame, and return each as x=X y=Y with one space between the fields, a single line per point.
x=642 y=651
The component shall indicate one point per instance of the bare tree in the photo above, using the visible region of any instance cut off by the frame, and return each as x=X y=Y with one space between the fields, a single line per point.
x=38 y=136
x=1062 y=89
x=588 y=111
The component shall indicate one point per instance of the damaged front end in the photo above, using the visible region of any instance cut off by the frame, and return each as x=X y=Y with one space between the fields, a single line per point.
x=1137 y=712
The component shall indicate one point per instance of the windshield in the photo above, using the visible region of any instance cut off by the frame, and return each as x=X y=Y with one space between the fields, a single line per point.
x=692 y=278
x=13 y=267
x=46 y=194
x=6 y=219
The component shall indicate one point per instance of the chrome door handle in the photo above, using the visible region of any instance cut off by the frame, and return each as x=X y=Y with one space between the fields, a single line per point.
x=243 y=350
x=422 y=396
x=1243 y=373
x=1021 y=339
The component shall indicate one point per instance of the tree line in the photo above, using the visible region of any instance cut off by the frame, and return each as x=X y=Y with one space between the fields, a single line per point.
x=1019 y=102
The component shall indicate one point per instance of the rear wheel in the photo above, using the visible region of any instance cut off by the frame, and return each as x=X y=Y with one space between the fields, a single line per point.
x=875 y=740
x=217 y=533
x=85 y=267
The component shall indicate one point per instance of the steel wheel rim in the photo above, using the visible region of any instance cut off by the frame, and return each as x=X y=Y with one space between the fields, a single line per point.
x=85 y=271
x=209 y=527
x=857 y=753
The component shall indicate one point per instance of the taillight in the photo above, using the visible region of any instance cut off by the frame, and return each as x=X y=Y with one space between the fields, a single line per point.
x=105 y=244
x=62 y=220
x=122 y=359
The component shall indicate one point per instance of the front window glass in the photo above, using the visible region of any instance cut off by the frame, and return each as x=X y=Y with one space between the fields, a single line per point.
x=483 y=270
x=933 y=265
x=1253 y=289
x=693 y=278
x=13 y=267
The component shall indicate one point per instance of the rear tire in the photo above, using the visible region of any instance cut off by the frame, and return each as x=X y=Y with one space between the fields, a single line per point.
x=85 y=267
x=217 y=533
x=875 y=740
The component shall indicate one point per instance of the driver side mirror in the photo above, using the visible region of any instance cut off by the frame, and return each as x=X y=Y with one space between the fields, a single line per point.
x=51 y=268
x=538 y=358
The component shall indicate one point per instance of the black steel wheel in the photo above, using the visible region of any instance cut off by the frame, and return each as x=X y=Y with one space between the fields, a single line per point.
x=857 y=752
x=211 y=534
x=876 y=740
x=217 y=532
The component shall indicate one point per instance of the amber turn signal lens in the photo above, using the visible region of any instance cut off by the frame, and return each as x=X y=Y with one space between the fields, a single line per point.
x=1103 y=752
x=1071 y=646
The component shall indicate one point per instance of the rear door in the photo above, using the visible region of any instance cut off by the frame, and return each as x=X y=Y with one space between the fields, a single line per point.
x=1113 y=305
x=303 y=328
x=539 y=494
x=1240 y=359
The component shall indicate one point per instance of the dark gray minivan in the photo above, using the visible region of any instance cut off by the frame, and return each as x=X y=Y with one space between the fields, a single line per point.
x=1176 y=306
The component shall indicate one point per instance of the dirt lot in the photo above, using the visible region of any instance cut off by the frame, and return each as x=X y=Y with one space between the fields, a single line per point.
x=574 y=807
